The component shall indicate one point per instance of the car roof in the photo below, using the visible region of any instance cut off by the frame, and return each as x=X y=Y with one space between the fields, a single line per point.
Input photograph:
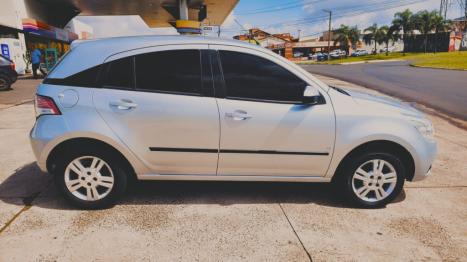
x=88 y=53
x=144 y=40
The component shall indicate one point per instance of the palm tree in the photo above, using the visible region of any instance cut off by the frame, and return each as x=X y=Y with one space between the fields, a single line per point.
x=346 y=36
x=390 y=34
x=440 y=25
x=374 y=34
x=423 y=22
x=403 y=21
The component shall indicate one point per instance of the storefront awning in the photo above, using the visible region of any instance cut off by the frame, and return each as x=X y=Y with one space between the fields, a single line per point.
x=39 y=28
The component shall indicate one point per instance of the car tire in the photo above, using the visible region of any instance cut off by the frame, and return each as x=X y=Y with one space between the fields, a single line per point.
x=95 y=184
x=5 y=83
x=372 y=179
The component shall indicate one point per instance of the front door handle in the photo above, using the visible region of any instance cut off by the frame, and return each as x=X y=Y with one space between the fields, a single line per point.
x=124 y=104
x=238 y=115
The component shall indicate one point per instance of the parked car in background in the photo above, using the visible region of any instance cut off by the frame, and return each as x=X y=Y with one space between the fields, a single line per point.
x=8 y=73
x=314 y=56
x=335 y=54
x=297 y=54
x=322 y=56
x=127 y=107
x=383 y=50
x=359 y=52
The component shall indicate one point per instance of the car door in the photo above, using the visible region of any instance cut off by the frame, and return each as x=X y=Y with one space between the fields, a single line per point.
x=265 y=128
x=160 y=104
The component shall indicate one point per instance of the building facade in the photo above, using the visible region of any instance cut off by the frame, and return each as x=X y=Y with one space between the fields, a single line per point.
x=20 y=34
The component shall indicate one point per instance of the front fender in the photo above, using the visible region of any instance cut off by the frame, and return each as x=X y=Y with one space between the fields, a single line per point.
x=352 y=133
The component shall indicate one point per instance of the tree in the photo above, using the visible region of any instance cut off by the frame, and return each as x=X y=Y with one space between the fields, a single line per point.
x=346 y=36
x=424 y=22
x=440 y=25
x=390 y=34
x=403 y=21
x=374 y=34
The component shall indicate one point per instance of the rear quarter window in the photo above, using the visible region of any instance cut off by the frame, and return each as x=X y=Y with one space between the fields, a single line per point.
x=86 y=78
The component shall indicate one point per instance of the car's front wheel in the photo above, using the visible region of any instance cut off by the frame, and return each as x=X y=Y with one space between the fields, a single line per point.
x=373 y=179
x=90 y=180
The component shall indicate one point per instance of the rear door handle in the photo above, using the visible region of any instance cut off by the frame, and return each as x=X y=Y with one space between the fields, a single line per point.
x=124 y=104
x=238 y=115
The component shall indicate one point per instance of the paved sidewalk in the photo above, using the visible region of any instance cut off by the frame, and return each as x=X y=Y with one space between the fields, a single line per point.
x=214 y=221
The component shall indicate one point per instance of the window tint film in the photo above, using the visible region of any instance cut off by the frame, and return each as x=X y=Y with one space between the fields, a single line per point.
x=120 y=73
x=85 y=78
x=253 y=77
x=174 y=71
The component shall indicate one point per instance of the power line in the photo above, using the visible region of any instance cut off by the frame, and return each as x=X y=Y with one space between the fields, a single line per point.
x=351 y=12
x=279 y=8
x=273 y=6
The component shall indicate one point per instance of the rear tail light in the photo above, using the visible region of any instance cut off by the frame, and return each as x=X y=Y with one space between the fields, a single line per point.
x=13 y=66
x=45 y=105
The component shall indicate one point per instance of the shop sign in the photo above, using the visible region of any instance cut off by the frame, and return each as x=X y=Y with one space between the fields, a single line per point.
x=208 y=28
x=5 y=50
x=61 y=34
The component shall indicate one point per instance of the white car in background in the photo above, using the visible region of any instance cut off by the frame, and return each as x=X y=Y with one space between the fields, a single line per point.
x=337 y=53
x=360 y=52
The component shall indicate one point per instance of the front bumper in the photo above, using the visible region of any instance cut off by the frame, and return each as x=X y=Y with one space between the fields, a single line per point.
x=426 y=153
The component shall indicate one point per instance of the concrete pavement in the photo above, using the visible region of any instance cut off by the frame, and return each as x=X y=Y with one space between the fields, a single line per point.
x=212 y=221
x=444 y=90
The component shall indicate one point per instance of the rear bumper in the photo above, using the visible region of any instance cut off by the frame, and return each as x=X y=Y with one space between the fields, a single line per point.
x=43 y=137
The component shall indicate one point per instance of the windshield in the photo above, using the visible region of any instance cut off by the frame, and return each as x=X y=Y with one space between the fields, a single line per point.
x=4 y=61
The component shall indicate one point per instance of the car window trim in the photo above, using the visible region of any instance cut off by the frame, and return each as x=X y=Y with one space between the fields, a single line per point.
x=218 y=74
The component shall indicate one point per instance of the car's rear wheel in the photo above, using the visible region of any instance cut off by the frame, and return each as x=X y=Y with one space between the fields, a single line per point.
x=4 y=83
x=372 y=179
x=90 y=180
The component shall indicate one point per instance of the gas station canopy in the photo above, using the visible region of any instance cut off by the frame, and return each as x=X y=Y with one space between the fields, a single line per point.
x=156 y=13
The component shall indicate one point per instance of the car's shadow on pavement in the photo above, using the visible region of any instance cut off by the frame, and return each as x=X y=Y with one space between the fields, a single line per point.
x=37 y=189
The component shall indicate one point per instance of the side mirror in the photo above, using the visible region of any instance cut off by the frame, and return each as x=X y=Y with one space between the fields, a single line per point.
x=311 y=95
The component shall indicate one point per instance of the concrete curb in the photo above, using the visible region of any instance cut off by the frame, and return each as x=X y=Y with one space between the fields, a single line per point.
x=442 y=68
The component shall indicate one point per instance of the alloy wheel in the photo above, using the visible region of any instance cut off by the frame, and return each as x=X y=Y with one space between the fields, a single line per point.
x=89 y=178
x=374 y=180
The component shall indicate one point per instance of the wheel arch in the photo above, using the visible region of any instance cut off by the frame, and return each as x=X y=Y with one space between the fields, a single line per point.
x=382 y=145
x=69 y=144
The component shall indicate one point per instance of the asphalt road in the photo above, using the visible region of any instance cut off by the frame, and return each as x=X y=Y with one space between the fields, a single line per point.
x=444 y=90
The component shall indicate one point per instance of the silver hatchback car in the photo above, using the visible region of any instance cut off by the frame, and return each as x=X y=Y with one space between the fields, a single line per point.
x=194 y=108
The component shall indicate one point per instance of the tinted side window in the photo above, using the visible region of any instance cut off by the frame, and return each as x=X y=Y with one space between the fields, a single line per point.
x=174 y=71
x=253 y=77
x=120 y=73
x=85 y=78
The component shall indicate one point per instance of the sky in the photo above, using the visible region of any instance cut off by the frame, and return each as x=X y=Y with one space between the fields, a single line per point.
x=281 y=16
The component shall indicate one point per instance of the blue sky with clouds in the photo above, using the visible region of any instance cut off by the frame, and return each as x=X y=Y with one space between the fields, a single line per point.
x=277 y=16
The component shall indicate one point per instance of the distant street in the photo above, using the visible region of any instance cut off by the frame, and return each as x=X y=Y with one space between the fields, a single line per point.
x=444 y=90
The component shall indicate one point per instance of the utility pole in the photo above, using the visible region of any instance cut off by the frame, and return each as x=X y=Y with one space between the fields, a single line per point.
x=329 y=32
x=443 y=8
